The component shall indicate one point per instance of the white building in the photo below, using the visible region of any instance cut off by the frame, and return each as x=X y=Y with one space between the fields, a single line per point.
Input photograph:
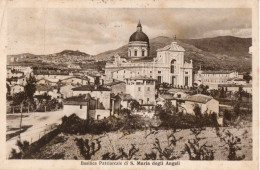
x=16 y=89
x=168 y=66
x=85 y=107
x=100 y=93
x=207 y=104
x=141 y=89
x=122 y=74
x=214 y=78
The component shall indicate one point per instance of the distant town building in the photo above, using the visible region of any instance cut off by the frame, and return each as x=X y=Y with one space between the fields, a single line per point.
x=25 y=69
x=117 y=87
x=248 y=88
x=16 y=89
x=142 y=89
x=100 y=93
x=237 y=81
x=85 y=107
x=214 y=78
x=123 y=74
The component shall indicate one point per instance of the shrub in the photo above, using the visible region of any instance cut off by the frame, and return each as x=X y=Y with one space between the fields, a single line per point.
x=86 y=149
x=122 y=154
x=196 y=150
x=232 y=144
x=23 y=147
x=168 y=153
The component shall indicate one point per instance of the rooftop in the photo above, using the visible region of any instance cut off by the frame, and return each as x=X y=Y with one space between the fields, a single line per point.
x=199 y=98
x=172 y=47
x=43 y=87
x=91 y=88
x=217 y=72
x=125 y=97
x=78 y=100
x=114 y=83
x=141 y=78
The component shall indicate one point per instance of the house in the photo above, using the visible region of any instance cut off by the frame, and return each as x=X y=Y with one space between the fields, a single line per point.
x=237 y=81
x=14 y=73
x=213 y=78
x=66 y=90
x=120 y=101
x=17 y=81
x=42 y=89
x=207 y=104
x=122 y=74
x=16 y=89
x=163 y=98
x=247 y=88
x=46 y=82
x=229 y=87
x=100 y=93
x=117 y=87
x=142 y=89
x=21 y=68
x=80 y=105
x=51 y=75
x=76 y=80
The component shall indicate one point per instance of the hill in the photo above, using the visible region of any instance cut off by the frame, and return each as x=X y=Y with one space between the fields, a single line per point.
x=225 y=52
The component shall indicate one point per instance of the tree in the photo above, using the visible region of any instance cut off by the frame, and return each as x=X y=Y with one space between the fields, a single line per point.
x=237 y=108
x=222 y=93
x=8 y=88
x=247 y=77
x=169 y=108
x=30 y=87
x=135 y=105
x=18 y=98
x=197 y=110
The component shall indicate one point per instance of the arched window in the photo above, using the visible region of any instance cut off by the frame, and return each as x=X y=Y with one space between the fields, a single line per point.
x=143 y=52
x=135 y=52
x=172 y=65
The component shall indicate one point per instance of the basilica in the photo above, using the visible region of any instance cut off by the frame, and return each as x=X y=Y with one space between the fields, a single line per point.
x=167 y=67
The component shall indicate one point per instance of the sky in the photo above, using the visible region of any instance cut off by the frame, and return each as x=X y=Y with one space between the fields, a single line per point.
x=47 y=31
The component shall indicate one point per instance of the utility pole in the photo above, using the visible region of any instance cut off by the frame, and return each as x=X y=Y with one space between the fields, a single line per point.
x=21 y=121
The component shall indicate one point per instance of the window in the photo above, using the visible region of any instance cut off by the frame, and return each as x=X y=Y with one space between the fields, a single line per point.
x=159 y=78
x=135 y=52
x=186 y=81
x=80 y=106
x=139 y=88
x=150 y=71
x=129 y=52
x=172 y=65
x=143 y=52
x=147 y=100
x=186 y=72
x=159 y=71
x=148 y=88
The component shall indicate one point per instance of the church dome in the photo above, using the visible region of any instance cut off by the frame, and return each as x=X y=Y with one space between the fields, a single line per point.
x=139 y=35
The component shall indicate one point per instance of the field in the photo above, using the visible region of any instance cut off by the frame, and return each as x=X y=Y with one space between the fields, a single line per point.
x=64 y=146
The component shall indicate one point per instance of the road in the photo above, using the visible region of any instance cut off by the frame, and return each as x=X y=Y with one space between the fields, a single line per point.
x=40 y=122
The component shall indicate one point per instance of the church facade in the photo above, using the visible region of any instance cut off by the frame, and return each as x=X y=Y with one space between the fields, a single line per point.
x=167 y=67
